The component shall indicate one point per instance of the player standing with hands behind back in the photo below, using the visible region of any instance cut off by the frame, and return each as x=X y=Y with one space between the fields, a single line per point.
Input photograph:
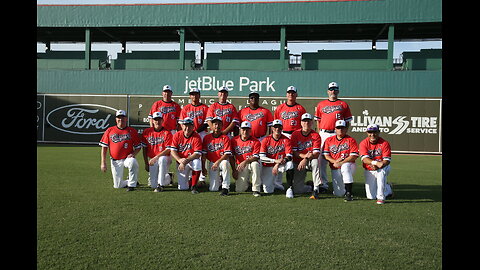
x=327 y=113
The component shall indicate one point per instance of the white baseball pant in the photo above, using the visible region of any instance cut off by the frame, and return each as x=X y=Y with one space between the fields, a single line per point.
x=342 y=176
x=253 y=169
x=269 y=179
x=117 y=167
x=376 y=186
x=183 y=176
x=299 y=177
x=323 y=162
x=159 y=172
x=220 y=176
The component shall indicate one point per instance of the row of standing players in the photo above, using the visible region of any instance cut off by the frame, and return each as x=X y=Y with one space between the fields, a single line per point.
x=263 y=147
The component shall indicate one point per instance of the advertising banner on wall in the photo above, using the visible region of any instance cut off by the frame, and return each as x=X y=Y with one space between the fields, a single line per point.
x=412 y=125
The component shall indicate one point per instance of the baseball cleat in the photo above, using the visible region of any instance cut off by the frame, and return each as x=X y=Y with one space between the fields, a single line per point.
x=314 y=195
x=348 y=197
x=130 y=188
x=224 y=192
x=289 y=193
x=380 y=201
x=256 y=194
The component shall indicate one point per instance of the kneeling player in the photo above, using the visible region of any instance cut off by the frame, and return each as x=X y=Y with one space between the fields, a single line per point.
x=376 y=155
x=156 y=154
x=186 y=149
x=217 y=149
x=246 y=150
x=341 y=151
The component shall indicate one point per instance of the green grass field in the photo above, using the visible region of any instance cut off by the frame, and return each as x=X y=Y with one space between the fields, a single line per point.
x=83 y=223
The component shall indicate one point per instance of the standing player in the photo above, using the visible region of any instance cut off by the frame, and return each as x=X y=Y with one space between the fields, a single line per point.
x=217 y=149
x=186 y=149
x=327 y=113
x=123 y=143
x=306 y=150
x=246 y=151
x=196 y=111
x=376 y=156
x=224 y=110
x=156 y=154
x=259 y=117
x=290 y=112
x=341 y=151
x=169 y=109
x=276 y=156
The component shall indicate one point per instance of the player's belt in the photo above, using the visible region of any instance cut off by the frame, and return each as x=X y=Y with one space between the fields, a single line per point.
x=327 y=130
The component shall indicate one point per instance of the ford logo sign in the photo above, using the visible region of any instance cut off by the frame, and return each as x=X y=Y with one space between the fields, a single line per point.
x=81 y=118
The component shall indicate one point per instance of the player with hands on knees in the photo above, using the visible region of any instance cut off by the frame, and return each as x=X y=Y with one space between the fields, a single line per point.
x=376 y=156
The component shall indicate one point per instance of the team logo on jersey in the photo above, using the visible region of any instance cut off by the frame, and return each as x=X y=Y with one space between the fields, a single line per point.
x=165 y=110
x=272 y=150
x=184 y=147
x=375 y=153
x=214 y=147
x=334 y=149
x=240 y=150
x=116 y=138
x=289 y=115
x=155 y=140
x=304 y=145
x=222 y=112
x=331 y=109
x=254 y=116
x=193 y=114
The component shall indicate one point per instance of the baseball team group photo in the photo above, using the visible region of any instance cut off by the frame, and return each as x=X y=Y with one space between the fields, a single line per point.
x=217 y=146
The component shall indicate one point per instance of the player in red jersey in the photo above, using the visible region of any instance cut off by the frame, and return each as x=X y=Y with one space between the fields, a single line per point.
x=341 y=151
x=123 y=143
x=290 y=112
x=224 y=110
x=186 y=149
x=169 y=109
x=306 y=150
x=196 y=111
x=276 y=156
x=246 y=151
x=156 y=155
x=217 y=149
x=259 y=117
x=327 y=113
x=376 y=156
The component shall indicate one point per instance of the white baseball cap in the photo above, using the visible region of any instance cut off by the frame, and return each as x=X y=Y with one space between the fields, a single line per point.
x=120 y=113
x=307 y=116
x=340 y=123
x=157 y=115
x=167 y=87
x=277 y=122
x=292 y=88
x=246 y=124
x=186 y=121
x=194 y=90
x=223 y=88
x=373 y=128
x=333 y=86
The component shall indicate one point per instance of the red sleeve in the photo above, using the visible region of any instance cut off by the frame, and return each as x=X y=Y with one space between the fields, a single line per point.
x=347 y=114
x=354 y=148
x=288 y=148
x=136 y=140
x=256 y=147
x=105 y=138
x=197 y=144
x=235 y=116
x=263 y=145
x=386 y=150
x=317 y=142
x=363 y=151
x=276 y=114
x=154 y=108
x=211 y=112
x=228 y=145
x=178 y=111
x=269 y=117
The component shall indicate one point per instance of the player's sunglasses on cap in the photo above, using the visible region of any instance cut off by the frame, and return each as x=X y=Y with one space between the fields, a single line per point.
x=186 y=121
x=372 y=128
x=333 y=86
x=157 y=115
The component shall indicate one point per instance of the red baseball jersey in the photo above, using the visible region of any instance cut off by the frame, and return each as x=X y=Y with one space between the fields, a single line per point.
x=276 y=149
x=197 y=113
x=260 y=119
x=156 y=141
x=121 y=142
x=227 y=112
x=245 y=149
x=328 y=112
x=379 y=151
x=343 y=148
x=215 y=147
x=171 y=113
x=290 y=116
x=186 y=146
x=304 y=144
